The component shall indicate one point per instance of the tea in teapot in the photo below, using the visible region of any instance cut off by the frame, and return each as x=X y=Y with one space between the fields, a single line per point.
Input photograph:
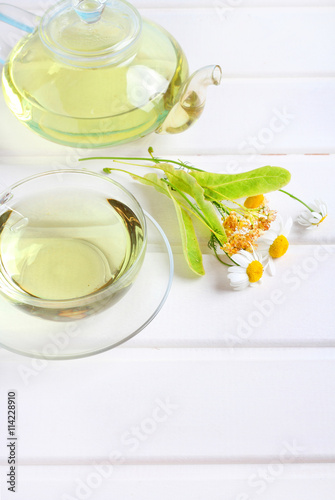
x=93 y=73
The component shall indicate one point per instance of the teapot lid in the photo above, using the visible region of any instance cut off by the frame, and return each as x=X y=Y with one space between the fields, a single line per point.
x=91 y=32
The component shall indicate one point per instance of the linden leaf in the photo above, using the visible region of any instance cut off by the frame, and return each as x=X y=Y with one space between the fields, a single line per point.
x=149 y=179
x=218 y=187
x=154 y=181
x=187 y=184
x=189 y=239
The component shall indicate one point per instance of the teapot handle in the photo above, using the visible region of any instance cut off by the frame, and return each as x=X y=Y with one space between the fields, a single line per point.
x=19 y=18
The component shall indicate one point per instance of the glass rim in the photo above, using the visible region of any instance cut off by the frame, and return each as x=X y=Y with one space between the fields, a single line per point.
x=25 y=298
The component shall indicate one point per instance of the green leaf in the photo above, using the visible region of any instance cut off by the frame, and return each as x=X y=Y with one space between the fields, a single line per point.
x=188 y=184
x=149 y=179
x=154 y=181
x=189 y=239
x=218 y=187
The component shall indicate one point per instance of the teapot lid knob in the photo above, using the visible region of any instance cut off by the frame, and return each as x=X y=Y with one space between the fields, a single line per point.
x=89 y=11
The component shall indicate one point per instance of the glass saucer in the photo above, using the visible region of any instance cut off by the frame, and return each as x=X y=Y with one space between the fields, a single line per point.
x=33 y=336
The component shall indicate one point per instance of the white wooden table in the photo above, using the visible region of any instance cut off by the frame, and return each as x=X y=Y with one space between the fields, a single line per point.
x=210 y=401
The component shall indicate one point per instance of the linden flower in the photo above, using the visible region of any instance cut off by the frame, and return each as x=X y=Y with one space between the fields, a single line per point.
x=248 y=271
x=274 y=243
x=310 y=219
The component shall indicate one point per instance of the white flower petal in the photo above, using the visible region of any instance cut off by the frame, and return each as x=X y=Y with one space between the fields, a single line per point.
x=324 y=209
x=271 y=267
x=266 y=257
x=317 y=206
x=271 y=233
x=259 y=282
x=237 y=270
x=305 y=219
x=247 y=255
x=239 y=284
x=303 y=222
x=241 y=287
x=256 y=257
x=287 y=227
x=265 y=240
x=237 y=275
x=313 y=219
x=264 y=252
x=279 y=224
x=304 y=215
x=240 y=259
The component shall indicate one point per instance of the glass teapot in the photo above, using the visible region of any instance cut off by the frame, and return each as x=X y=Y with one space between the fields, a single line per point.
x=93 y=73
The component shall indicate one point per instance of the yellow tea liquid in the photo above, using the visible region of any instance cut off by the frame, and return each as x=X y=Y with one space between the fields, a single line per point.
x=94 y=107
x=56 y=247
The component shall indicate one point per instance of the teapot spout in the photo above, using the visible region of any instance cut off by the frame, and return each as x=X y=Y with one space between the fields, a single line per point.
x=192 y=99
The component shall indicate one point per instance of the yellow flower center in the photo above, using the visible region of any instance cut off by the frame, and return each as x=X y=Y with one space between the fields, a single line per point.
x=317 y=223
x=279 y=247
x=254 y=271
x=254 y=201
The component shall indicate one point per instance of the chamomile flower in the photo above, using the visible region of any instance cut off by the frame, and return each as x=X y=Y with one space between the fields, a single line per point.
x=254 y=201
x=248 y=270
x=274 y=243
x=313 y=217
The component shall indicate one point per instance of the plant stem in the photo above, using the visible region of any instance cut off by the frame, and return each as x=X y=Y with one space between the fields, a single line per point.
x=194 y=208
x=218 y=258
x=213 y=242
x=297 y=199
x=221 y=208
x=155 y=160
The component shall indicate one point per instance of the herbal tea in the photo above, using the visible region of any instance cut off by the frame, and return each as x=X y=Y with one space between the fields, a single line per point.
x=94 y=107
x=65 y=244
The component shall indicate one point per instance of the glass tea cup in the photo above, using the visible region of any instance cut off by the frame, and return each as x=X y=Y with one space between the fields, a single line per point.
x=71 y=243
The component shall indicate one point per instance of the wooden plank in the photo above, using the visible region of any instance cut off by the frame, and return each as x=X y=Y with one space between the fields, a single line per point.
x=238 y=482
x=273 y=314
x=310 y=175
x=243 y=116
x=251 y=42
x=42 y=5
x=170 y=406
x=206 y=312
